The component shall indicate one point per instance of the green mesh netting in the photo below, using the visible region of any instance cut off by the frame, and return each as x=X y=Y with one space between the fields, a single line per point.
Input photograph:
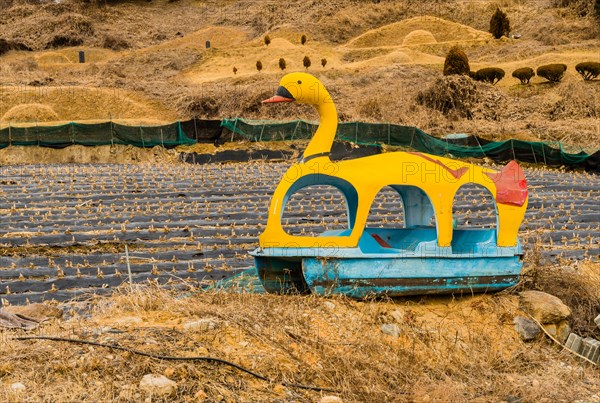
x=410 y=137
x=107 y=133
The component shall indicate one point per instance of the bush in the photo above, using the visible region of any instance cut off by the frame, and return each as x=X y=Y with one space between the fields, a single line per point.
x=552 y=72
x=259 y=66
x=64 y=41
x=267 y=40
x=450 y=95
x=5 y=46
x=306 y=62
x=489 y=75
x=499 y=24
x=323 y=62
x=456 y=62
x=114 y=43
x=588 y=70
x=303 y=39
x=524 y=74
x=282 y=64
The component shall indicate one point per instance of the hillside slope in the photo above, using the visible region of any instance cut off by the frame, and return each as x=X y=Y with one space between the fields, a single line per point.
x=373 y=51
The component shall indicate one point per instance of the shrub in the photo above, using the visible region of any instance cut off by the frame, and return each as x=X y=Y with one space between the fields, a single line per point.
x=456 y=62
x=552 y=72
x=114 y=43
x=303 y=39
x=489 y=75
x=499 y=24
x=323 y=62
x=234 y=70
x=524 y=74
x=282 y=64
x=306 y=62
x=588 y=70
x=267 y=40
x=4 y=46
x=450 y=94
x=64 y=41
x=259 y=66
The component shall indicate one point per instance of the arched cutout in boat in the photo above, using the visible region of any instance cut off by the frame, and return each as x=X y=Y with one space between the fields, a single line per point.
x=475 y=219
x=387 y=210
x=314 y=209
x=417 y=228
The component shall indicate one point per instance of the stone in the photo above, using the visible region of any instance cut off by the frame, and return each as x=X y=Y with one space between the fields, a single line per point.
x=597 y=321
x=526 y=328
x=17 y=387
x=128 y=320
x=397 y=315
x=331 y=399
x=391 y=329
x=543 y=307
x=202 y=324
x=37 y=311
x=329 y=305
x=157 y=385
x=562 y=330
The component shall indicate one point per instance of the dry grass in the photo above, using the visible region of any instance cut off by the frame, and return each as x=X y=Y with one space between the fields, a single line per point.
x=450 y=349
x=164 y=71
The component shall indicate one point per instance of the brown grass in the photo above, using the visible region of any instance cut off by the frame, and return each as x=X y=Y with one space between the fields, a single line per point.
x=450 y=349
x=167 y=67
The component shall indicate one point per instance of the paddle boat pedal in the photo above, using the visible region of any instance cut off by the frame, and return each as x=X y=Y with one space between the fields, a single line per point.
x=418 y=259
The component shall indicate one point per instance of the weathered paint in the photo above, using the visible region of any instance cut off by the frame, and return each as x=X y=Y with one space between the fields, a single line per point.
x=418 y=259
x=361 y=179
x=413 y=264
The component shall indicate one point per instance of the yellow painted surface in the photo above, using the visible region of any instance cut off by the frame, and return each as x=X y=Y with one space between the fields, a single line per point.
x=368 y=175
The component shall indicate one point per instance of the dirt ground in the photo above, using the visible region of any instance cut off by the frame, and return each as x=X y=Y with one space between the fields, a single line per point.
x=449 y=349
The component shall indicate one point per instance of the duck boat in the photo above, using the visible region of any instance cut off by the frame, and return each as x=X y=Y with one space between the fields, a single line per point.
x=419 y=258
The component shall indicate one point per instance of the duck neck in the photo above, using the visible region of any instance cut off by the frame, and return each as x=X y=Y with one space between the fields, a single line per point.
x=321 y=142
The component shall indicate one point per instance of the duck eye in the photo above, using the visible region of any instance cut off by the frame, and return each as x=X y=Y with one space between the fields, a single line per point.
x=299 y=82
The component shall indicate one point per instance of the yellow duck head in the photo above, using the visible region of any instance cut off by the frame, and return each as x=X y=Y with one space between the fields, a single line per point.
x=302 y=88
x=306 y=89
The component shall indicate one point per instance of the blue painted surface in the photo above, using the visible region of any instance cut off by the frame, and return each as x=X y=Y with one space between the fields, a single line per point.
x=408 y=263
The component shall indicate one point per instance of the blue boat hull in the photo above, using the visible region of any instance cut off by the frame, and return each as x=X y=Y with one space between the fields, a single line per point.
x=359 y=278
x=394 y=269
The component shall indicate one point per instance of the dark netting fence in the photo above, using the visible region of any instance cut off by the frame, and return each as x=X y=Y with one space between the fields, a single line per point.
x=414 y=138
x=106 y=133
x=202 y=131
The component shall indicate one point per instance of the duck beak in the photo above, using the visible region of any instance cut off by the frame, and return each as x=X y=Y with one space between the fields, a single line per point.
x=282 y=95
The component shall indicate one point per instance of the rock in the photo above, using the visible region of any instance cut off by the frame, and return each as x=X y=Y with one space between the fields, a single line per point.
x=526 y=328
x=560 y=331
x=157 y=385
x=128 y=320
x=331 y=399
x=544 y=307
x=202 y=324
x=17 y=387
x=597 y=320
x=391 y=329
x=397 y=315
x=37 y=311
x=329 y=305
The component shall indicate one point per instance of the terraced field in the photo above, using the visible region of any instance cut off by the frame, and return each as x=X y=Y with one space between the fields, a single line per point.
x=65 y=227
